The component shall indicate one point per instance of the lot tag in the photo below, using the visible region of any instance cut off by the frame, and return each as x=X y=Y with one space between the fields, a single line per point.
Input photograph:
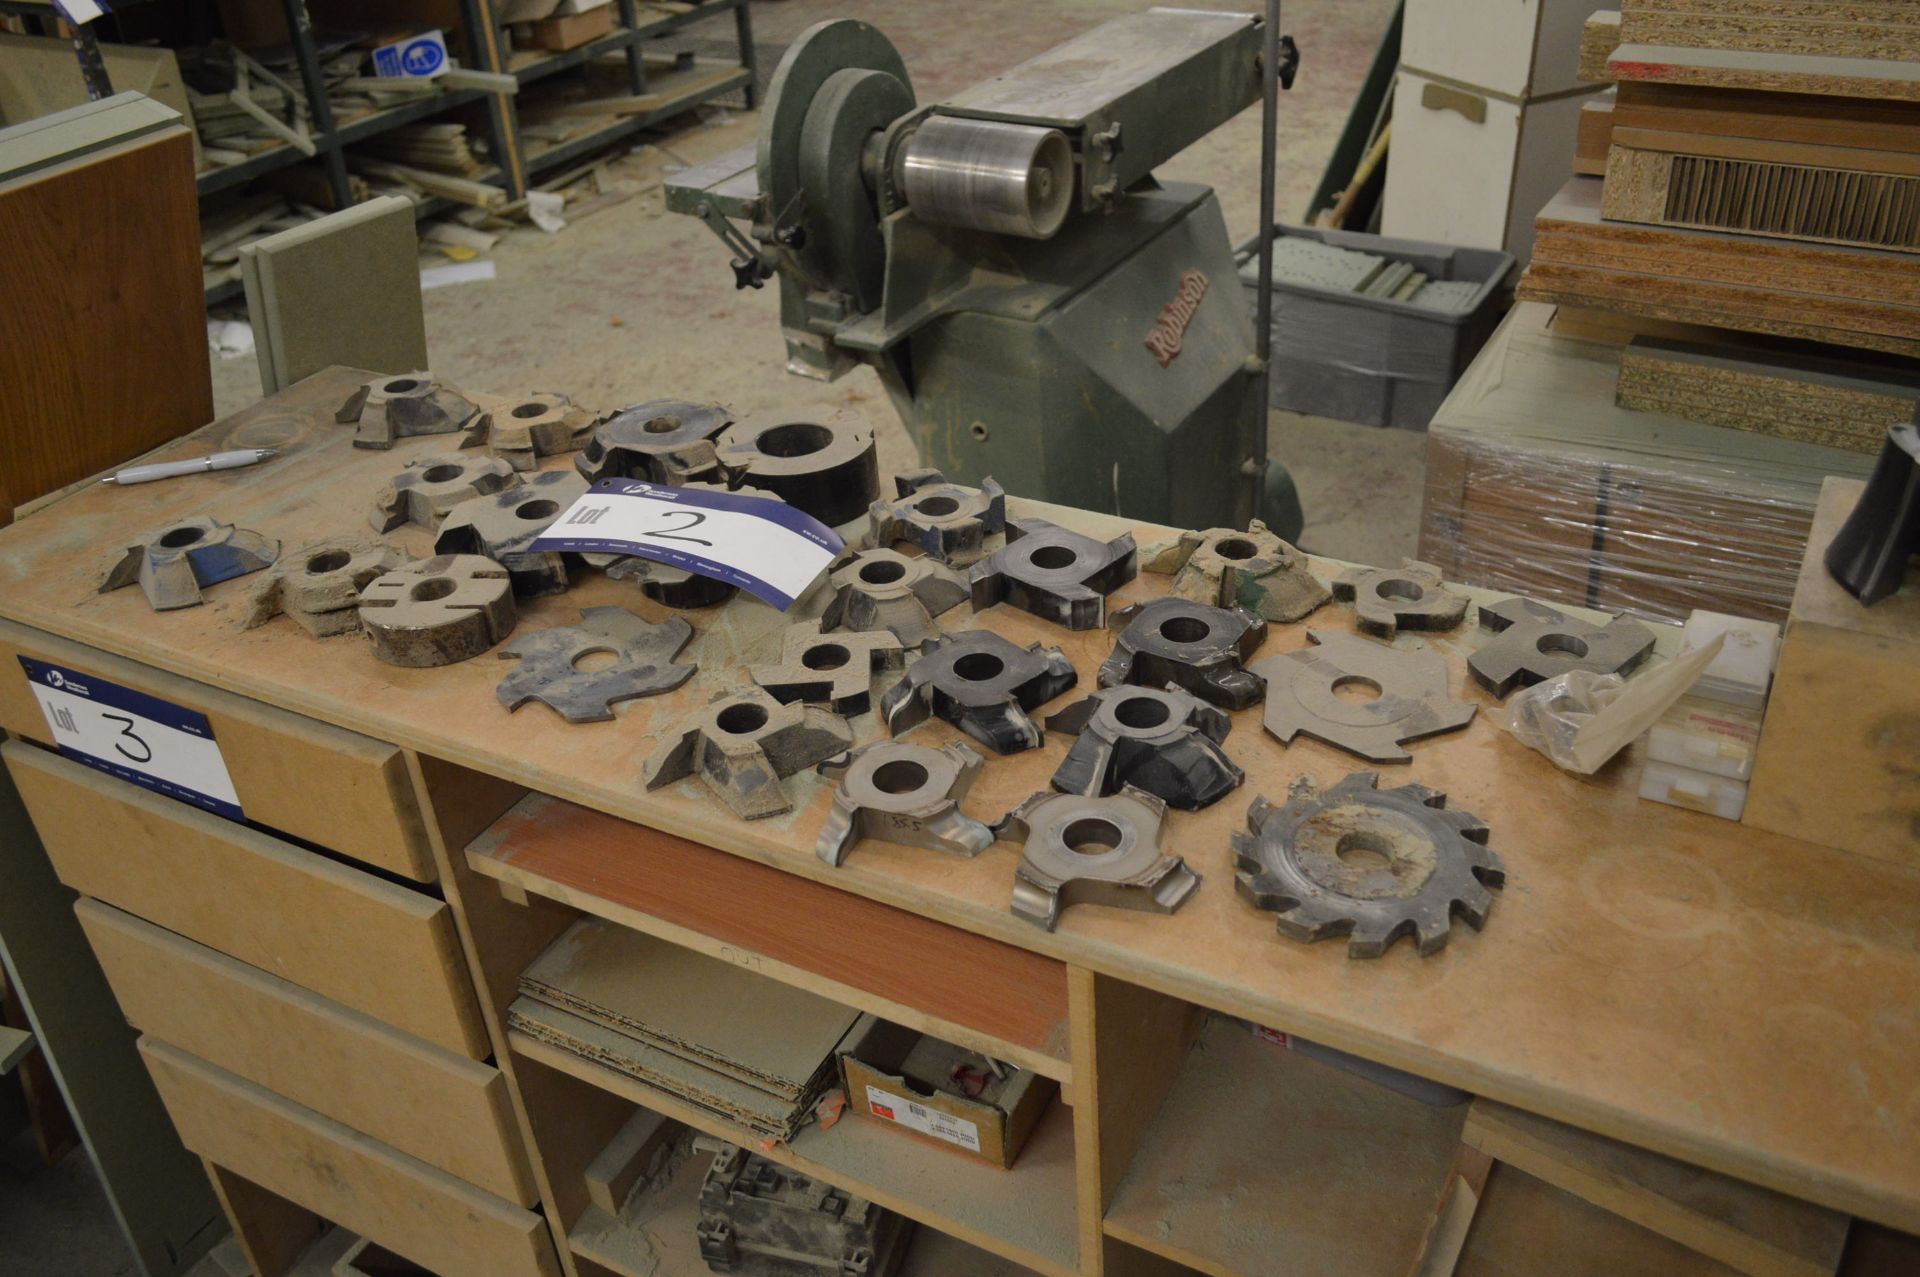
x=927 y=1121
x=136 y=737
x=765 y=547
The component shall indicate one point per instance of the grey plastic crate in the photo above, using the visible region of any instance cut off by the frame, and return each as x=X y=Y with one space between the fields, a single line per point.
x=1370 y=359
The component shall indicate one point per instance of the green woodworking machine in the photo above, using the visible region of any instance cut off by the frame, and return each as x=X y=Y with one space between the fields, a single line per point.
x=1039 y=307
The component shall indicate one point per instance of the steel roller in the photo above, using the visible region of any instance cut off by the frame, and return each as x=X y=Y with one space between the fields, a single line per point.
x=987 y=175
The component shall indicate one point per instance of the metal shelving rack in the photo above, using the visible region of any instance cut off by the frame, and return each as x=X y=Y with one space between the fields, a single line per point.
x=487 y=47
x=630 y=37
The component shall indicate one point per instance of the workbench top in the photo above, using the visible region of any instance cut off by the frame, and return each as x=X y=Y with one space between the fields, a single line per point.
x=1737 y=999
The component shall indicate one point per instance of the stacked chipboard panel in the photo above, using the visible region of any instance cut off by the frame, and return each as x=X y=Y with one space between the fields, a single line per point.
x=714 y=1035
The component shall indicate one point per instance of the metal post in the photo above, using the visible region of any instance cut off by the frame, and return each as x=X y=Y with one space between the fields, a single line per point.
x=1263 y=303
x=319 y=110
x=749 y=58
x=636 y=60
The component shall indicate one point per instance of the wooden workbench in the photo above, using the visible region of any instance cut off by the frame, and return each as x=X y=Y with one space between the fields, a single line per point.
x=1745 y=1002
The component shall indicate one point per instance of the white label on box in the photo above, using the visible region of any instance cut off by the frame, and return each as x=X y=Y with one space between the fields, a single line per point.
x=139 y=738
x=908 y=1113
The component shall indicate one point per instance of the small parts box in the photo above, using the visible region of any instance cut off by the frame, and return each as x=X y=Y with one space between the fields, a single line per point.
x=903 y=1077
x=758 y=1219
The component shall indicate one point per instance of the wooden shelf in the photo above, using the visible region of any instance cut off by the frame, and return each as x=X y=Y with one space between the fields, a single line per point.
x=673 y=91
x=653 y=1237
x=966 y=988
x=1025 y=1214
x=1259 y=1152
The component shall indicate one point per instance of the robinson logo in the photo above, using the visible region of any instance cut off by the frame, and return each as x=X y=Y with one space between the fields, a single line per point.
x=1170 y=330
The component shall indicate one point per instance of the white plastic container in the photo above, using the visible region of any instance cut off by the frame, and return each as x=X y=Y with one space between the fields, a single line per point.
x=1695 y=790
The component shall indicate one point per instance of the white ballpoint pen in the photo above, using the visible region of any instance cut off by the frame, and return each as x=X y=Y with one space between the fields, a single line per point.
x=193 y=465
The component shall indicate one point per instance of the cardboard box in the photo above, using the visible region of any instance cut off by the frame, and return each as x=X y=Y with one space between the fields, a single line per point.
x=565 y=31
x=902 y=1077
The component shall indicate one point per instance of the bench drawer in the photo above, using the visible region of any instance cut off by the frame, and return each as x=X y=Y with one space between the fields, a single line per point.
x=404 y=1204
x=445 y=1109
x=339 y=789
x=382 y=949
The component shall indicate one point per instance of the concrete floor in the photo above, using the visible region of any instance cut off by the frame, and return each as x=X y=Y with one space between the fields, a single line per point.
x=630 y=304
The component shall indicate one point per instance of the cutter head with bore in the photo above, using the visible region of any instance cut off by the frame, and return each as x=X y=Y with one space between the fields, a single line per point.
x=1166 y=742
x=523 y=430
x=1367 y=863
x=388 y=409
x=666 y=441
x=1093 y=851
x=438 y=611
x=984 y=685
x=504 y=526
x=835 y=670
x=909 y=794
x=1253 y=570
x=1533 y=642
x=743 y=745
x=429 y=487
x=886 y=590
x=824 y=463
x=1193 y=645
x=1409 y=597
x=1303 y=695
x=1056 y=574
x=173 y=563
x=549 y=672
x=949 y=522
x=318 y=586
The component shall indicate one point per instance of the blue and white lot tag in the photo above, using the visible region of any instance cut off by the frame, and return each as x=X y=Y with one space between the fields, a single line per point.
x=418 y=57
x=765 y=547
x=133 y=736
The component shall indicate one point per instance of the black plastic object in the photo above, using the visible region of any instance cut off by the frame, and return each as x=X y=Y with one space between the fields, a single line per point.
x=1869 y=555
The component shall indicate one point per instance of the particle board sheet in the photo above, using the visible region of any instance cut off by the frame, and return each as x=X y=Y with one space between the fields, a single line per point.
x=1859 y=297
x=1831 y=402
x=766 y=1115
x=1638 y=976
x=1851 y=77
x=715 y=1013
x=1258 y=1152
x=342 y=289
x=1874 y=29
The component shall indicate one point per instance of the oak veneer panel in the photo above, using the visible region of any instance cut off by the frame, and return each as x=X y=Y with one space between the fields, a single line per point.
x=1864 y=123
x=103 y=338
x=339 y=1174
x=379 y=948
x=445 y=1109
x=347 y=792
x=995 y=988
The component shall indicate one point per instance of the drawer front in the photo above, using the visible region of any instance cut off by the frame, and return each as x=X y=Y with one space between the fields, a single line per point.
x=445 y=1109
x=404 y=1204
x=379 y=948
x=339 y=789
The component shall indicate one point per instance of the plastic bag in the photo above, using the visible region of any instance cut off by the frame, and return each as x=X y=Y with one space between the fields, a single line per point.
x=1548 y=716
